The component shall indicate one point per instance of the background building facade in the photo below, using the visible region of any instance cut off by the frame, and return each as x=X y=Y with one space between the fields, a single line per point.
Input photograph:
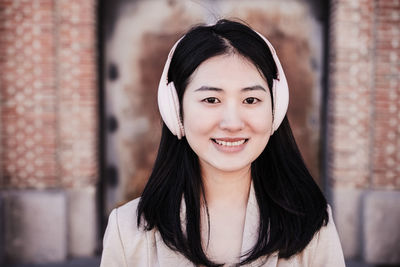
x=79 y=127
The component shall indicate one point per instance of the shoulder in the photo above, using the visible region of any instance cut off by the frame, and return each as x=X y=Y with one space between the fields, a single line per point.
x=325 y=248
x=123 y=236
x=125 y=219
x=328 y=235
x=126 y=214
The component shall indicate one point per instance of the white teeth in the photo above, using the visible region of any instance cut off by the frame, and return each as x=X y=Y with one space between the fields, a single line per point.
x=224 y=143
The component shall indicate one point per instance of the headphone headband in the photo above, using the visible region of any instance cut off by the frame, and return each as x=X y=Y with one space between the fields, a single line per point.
x=168 y=102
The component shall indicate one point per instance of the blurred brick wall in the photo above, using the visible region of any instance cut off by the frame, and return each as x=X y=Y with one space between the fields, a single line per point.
x=386 y=136
x=365 y=105
x=364 y=127
x=350 y=91
x=48 y=94
x=48 y=130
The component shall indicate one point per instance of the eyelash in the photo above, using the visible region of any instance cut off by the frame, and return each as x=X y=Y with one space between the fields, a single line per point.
x=253 y=98
x=211 y=100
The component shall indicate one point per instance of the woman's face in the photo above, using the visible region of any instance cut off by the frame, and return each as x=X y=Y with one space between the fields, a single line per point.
x=227 y=113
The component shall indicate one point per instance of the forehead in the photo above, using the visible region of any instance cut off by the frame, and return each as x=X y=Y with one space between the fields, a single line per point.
x=226 y=71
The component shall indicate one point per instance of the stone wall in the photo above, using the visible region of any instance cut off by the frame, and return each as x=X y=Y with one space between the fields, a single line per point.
x=363 y=127
x=48 y=124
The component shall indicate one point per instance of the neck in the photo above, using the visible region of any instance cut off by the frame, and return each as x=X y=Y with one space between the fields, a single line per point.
x=223 y=187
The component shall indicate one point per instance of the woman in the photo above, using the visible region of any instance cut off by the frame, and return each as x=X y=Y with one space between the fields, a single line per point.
x=229 y=186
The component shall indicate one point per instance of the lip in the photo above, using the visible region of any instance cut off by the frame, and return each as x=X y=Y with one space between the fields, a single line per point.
x=229 y=149
x=230 y=139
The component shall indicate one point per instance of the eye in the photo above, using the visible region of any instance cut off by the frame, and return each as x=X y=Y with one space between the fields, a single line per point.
x=211 y=100
x=251 y=100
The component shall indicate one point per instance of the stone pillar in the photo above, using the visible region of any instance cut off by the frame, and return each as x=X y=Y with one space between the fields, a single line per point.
x=82 y=225
x=35 y=226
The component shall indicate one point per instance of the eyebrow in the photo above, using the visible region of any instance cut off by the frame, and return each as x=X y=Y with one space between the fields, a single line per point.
x=208 y=88
x=250 y=88
x=255 y=87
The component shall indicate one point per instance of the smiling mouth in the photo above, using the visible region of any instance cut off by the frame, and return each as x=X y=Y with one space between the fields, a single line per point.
x=230 y=143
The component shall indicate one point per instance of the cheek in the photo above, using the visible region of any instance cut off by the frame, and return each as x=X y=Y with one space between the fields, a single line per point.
x=196 y=120
x=261 y=128
x=261 y=121
x=262 y=125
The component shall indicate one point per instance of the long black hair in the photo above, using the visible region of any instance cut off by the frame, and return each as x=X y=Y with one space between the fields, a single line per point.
x=292 y=207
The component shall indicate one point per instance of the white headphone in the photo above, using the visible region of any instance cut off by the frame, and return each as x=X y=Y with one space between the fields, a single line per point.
x=168 y=102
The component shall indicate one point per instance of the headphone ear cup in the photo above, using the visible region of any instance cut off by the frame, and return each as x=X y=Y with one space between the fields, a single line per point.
x=280 y=90
x=175 y=113
x=280 y=93
x=168 y=104
x=168 y=101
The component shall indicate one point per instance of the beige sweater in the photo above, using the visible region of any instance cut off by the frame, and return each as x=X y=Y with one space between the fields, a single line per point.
x=125 y=245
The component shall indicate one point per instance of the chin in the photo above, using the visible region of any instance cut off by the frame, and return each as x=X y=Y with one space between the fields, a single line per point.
x=231 y=166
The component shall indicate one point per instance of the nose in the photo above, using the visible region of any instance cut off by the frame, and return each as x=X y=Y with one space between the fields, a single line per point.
x=231 y=120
